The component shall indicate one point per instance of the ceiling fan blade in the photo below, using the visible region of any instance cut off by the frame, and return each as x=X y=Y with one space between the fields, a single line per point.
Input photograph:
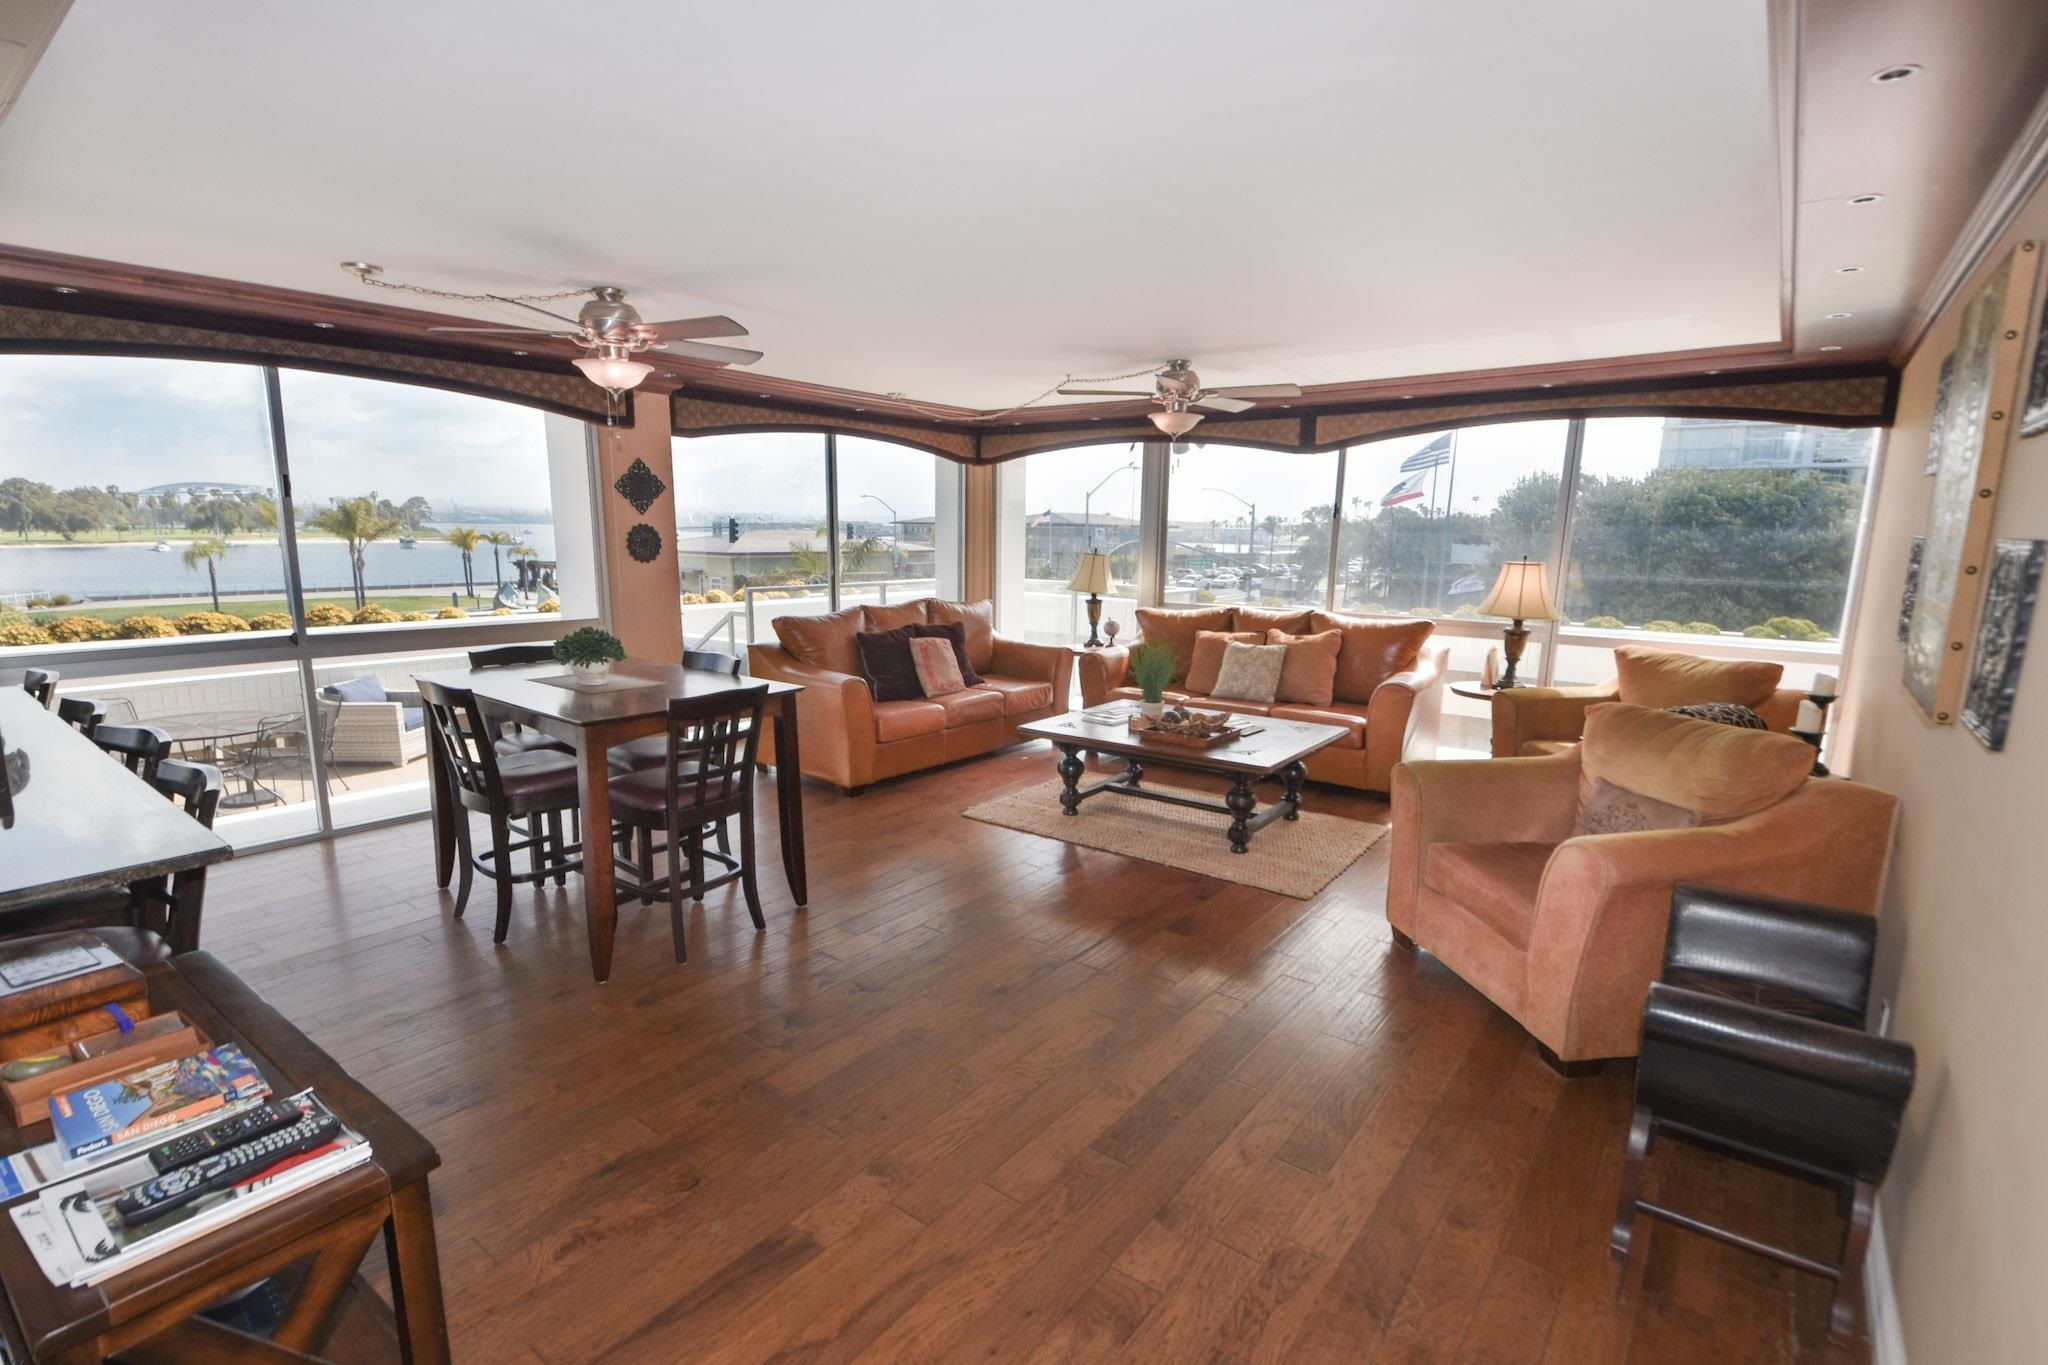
x=573 y=322
x=1219 y=402
x=685 y=329
x=703 y=350
x=1260 y=390
x=508 y=331
x=1109 y=393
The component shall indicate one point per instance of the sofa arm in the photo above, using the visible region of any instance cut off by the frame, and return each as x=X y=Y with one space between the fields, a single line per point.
x=1523 y=714
x=1101 y=670
x=1402 y=718
x=1052 y=663
x=1516 y=800
x=1596 y=940
x=835 y=717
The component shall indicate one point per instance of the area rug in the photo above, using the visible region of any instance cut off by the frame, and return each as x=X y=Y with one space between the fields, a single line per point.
x=1291 y=857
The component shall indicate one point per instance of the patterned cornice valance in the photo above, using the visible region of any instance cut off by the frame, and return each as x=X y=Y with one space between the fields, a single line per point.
x=700 y=415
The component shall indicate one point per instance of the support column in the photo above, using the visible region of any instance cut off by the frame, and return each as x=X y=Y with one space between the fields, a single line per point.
x=643 y=601
x=978 y=531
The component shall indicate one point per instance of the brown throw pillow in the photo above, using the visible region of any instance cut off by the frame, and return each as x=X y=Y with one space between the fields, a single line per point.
x=1309 y=675
x=979 y=620
x=937 y=666
x=1617 y=810
x=1175 y=628
x=956 y=632
x=886 y=663
x=822 y=641
x=1250 y=672
x=912 y=613
x=1207 y=657
x=1375 y=649
x=1293 y=620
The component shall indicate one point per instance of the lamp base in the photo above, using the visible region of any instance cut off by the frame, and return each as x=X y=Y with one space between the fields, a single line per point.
x=1094 y=622
x=1513 y=640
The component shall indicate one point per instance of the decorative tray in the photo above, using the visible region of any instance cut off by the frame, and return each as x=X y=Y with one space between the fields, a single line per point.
x=1205 y=730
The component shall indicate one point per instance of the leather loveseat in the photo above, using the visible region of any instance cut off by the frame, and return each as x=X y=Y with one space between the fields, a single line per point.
x=847 y=737
x=1387 y=692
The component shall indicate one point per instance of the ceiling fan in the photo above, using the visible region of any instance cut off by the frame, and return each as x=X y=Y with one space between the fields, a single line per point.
x=607 y=326
x=1177 y=389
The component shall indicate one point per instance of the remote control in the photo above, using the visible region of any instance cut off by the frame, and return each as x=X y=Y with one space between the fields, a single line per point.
x=231 y=1166
x=250 y=1123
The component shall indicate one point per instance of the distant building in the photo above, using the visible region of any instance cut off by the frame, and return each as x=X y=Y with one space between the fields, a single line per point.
x=1054 y=541
x=1722 y=443
x=706 y=562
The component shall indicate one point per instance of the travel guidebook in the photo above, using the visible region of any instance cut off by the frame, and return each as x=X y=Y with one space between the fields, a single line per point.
x=110 y=1113
x=77 y=1233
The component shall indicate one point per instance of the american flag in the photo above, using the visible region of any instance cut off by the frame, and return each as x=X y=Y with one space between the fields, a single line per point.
x=1430 y=456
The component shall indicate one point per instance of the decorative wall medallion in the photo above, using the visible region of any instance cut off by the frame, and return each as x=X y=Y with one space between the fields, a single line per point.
x=643 y=542
x=2002 y=638
x=1942 y=388
x=1913 y=557
x=640 y=486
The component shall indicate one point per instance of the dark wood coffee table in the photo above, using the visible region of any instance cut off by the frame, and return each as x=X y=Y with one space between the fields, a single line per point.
x=1275 y=750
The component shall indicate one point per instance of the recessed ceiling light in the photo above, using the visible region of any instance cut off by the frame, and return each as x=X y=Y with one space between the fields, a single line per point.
x=1831 y=348
x=1848 y=270
x=65 y=289
x=666 y=375
x=324 y=326
x=519 y=353
x=760 y=395
x=1860 y=199
x=860 y=409
x=1550 y=386
x=1407 y=395
x=1892 y=75
x=1839 y=316
x=1713 y=372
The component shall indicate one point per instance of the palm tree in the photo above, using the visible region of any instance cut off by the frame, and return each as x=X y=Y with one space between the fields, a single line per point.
x=497 y=540
x=466 y=539
x=357 y=522
x=208 y=550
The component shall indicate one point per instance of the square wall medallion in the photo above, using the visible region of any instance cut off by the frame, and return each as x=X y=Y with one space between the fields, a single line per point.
x=640 y=486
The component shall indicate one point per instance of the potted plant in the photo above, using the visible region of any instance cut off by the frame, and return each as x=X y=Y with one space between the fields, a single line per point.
x=590 y=653
x=1151 y=669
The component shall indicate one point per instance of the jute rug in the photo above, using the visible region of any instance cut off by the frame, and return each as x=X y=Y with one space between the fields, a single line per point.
x=1291 y=857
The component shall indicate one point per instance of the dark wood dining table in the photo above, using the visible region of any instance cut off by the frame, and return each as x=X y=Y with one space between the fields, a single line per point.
x=593 y=719
x=81 y=821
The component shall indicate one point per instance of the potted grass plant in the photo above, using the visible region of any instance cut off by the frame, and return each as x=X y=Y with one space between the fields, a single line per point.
x=1151 y=670
x=590 y=653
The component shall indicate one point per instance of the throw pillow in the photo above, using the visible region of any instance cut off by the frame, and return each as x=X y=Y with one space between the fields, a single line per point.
x=1250 y=672
x=936 y=664
x=1207 y=657
x=1175 y=628
x=913 y=613
x=1617 y=810
x=1658 y=677
x=365 y=688
x=1310 y=674
x=822 y=641
x=886 y=663
x=1293 y=620
x=1720 y=771
x=956 y=632
x=1375 y=649
x=1722 y=713
x=980 y=622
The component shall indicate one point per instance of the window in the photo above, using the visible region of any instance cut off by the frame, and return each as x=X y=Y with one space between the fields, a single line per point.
x=1248 y=526
x=899 y=534
x=1051 y=509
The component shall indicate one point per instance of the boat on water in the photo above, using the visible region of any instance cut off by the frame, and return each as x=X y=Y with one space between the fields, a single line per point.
x=408 y=543
x=162 y=547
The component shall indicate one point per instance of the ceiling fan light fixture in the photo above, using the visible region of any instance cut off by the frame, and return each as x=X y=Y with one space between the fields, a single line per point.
x=614 y=373
x=1175 y=423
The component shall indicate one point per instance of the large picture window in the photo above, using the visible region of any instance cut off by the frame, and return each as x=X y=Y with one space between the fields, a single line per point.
x=1248 y=526
x=1052 y=509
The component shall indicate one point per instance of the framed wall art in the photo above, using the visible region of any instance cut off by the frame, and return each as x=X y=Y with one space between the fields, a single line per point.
x=2034 y=419
x=2013 y=587
x=1934 y=425
x=1975 y=430
x=1906 y=599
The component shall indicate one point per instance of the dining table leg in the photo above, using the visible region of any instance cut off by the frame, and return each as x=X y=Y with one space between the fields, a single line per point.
x=439 y=803
x=594 y=793
x=789 y=798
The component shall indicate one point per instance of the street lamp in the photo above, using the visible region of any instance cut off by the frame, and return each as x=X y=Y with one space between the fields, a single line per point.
x=895 y=522
x=1086 y=544
x=1251 y=531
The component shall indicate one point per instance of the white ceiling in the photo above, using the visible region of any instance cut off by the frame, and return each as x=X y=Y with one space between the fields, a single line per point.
x=961 y=202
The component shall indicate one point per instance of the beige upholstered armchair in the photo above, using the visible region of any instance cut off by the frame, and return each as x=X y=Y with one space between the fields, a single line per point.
x=1531 y=721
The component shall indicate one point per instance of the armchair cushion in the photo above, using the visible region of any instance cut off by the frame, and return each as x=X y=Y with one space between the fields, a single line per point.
x=1206 y=659
x=978 y=624
x=822 y=641
x=1659 y=677
x=1721 y=772
x=1309 y=673
x=1176 y=629
x=1374 y=649
x=1495 y=883
x=1617 y=810
x=365 y=688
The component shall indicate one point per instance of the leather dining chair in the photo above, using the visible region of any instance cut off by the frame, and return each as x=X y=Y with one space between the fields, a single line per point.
x=139 y=748
x=40 y=683
x=1753 y=1044
x=81 y=713
x=513 y=738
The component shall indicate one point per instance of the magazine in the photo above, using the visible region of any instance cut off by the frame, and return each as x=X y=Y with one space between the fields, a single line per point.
x=143 y=1103
x=78 y=1238
x=34 y=1167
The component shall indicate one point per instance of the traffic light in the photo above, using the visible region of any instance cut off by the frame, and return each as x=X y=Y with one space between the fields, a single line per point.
x=732 y=530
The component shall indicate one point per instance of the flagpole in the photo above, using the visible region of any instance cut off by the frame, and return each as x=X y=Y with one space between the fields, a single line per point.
x=1450 y=496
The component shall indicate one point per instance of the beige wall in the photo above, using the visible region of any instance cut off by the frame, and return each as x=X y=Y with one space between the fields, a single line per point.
x=1964 y=936
x=644 y=601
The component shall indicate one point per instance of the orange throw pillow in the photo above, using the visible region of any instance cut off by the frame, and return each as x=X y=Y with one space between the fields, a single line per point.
x=1309 y=675
x=822 y=641
x=1375 y=649
x=1206 y=658
x=980 y=622
x=1175 y=628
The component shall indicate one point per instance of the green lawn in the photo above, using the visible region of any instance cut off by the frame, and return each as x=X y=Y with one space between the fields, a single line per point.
x=145 y=536
x=246 y=608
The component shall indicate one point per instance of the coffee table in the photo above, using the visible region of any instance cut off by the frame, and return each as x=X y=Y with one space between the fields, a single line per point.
x=1276 y=748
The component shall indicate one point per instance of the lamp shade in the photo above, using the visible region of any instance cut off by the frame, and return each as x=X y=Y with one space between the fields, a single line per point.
x=1521 y=592
x=1091 y=574
x=612 y=372
x=1176 y=423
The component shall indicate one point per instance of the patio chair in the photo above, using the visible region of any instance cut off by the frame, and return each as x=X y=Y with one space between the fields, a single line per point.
x=372 y=726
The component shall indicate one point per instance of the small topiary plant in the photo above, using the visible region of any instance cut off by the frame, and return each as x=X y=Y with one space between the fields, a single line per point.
x=1761 y=633
x=328 y=614
x=1151 y=670
x=209 y=623
x=145 y=628
x=718 y=595
x=1668 y=627
x=589 y=645
x=73 y=630
x=419 y=616
x=452 y=614
x=503 y=611
x=21 y=633
x=1796 y=628
x=375 y=614
x=270 y=620
x=1605 y=623
x=1700 y=628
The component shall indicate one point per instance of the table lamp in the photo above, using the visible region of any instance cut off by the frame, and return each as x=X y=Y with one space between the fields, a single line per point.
x=1521 y=594
x=1091 y=576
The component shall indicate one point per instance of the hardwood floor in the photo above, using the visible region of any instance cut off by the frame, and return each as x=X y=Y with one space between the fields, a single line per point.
x=994 y=1097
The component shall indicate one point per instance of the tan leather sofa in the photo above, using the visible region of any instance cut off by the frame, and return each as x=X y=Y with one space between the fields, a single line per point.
x=1565 y=931
x=847 y=737
x=1529 y=722
x=1388 y=693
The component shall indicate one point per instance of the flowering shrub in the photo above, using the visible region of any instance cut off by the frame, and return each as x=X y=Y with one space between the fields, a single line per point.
x=1700 y=628
x=553 y=606
x=419 y=616
x=375 y=614
x=22 y=633
x=145 y=628
x=1669 y=627
x=1605 y=623
x=270 y=620
x=328 y=614
x=209 y=623
x=73 y=630
x=503 y=611
x=452 y=614
x=718 y=595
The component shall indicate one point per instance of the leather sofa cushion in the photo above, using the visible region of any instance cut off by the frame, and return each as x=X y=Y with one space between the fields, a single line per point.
x=1658 y=677
x=1353 y=721
x=1207 y=656
x=1232 y=705
x=969 y=707
x=890 y=617
x=896 y=720
x=1375 y=649
x=978 y=621
x=1176 y=629
x=822 y=641
x=1019 y=694
x=1309 y=673
x=1172 y=694
x=1719 y=771
x=1494 y=883
x=1294 y=620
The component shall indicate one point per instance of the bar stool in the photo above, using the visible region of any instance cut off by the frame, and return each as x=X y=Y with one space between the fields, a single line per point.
x=40 y=683
x=514 y=738
x=82 y=713
x=139 y=748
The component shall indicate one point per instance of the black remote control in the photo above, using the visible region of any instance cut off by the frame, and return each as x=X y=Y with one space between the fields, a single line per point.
x=250 y=1123
x=168 y=1193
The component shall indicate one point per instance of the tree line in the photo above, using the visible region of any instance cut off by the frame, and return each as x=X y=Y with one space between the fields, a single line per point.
x=28 y=506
